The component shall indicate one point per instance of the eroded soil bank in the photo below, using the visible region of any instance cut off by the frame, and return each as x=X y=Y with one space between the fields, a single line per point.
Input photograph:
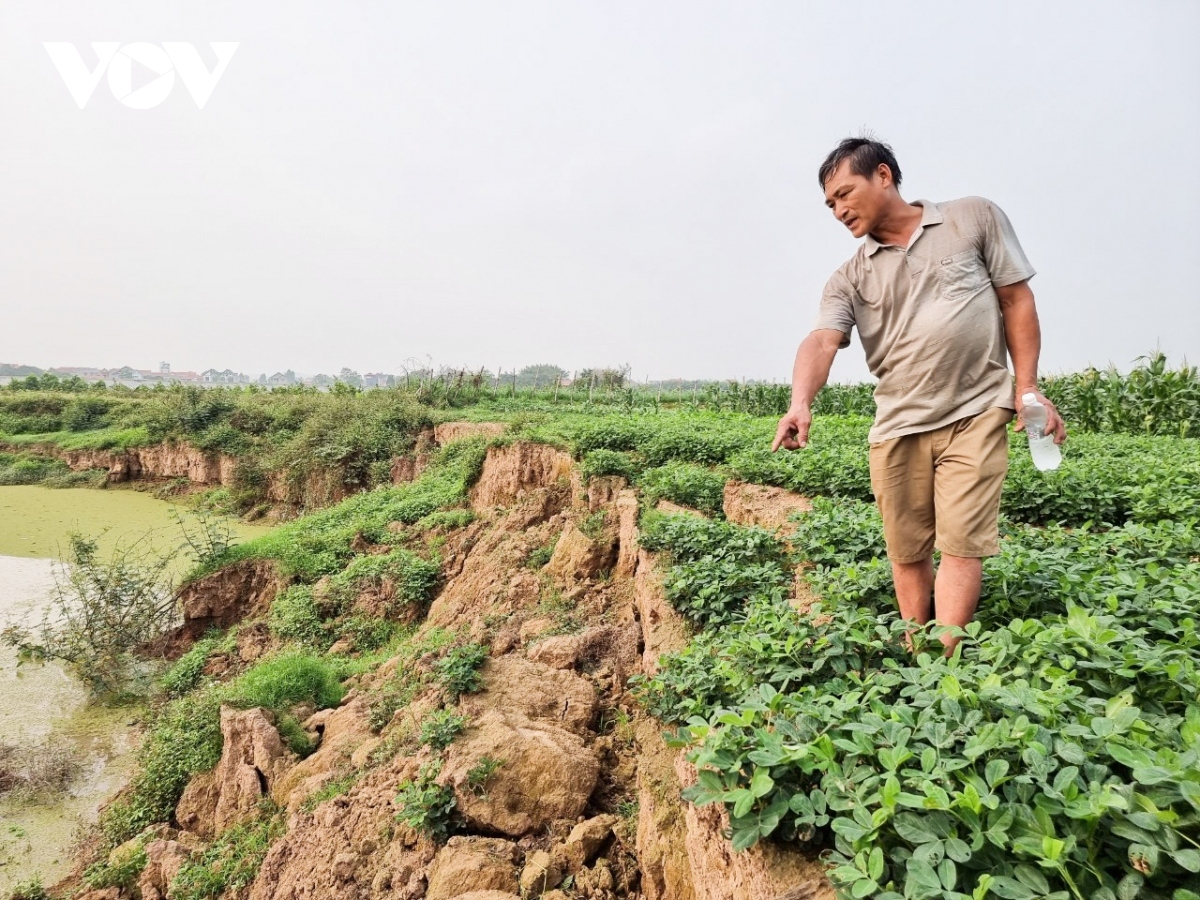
x=559 y=785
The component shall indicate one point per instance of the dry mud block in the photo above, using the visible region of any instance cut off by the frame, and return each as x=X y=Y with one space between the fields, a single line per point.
x=577 y=556
x=252 y=759
x=164 y=859
x=627 y=534
x=663 y=629
x=616 y=645
x=767 y=507
x=546 y=773
x=473 y=864
x=349 y=848
x=224 y=598
x=343 y=730
x=516 y=686
x=509 y=472
x=662 y=831
x=530 y=718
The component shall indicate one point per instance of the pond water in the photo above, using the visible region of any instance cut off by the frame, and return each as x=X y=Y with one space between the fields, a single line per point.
x=44 y=704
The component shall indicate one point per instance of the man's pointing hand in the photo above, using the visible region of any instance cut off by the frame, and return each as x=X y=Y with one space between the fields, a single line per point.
x=792 y=433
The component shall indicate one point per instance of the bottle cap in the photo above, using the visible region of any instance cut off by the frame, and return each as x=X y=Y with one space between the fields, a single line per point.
x=1029 y=398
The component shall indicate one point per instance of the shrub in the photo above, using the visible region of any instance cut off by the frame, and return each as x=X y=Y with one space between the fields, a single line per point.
x=102 y=611
x=713 y=591
x=410 y=677
x=540 y=556
x=448 y=519
x=18 y=469
x=320 y=543
x=184 y=739
x=30 y=889
x=458 y=670
x=413 y=578
x=481 y=773
x=86 y=413
x=36 y=772
x=426 y=806
x=440 y=728
x=1051 y=756
x=122 y=872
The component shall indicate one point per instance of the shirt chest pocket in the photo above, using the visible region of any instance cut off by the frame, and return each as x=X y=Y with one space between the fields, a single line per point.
x=962 y=275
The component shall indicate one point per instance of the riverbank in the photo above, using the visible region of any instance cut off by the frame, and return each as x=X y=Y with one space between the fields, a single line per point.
x=46 y=711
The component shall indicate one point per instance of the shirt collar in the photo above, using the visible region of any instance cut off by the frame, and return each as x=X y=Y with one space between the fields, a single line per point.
x=930 y=215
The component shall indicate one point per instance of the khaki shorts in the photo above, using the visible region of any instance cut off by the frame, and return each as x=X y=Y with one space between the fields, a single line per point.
x=941 y=488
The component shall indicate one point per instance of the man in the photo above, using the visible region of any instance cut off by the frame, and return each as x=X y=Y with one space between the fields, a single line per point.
x=940 y=295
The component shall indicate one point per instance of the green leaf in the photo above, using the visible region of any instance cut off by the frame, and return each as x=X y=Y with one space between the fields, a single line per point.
x=1191 y=793
x=890 y=792
x=1187 y=859
x=743 y=802
x=762 y=783
x=948 y=873
x=958 y=850
x=1011 y=889
x=1071 y=753
x=1130 y=886
x=1064 y=778
x=922 y=876
x=994 y=771
x=875 y=864
x=911 y=829
x=1032 y=878
x=1145 y=821
x=744 y=838
x=863 y=888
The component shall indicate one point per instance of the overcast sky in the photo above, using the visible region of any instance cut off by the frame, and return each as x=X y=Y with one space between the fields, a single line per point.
x=583 y=183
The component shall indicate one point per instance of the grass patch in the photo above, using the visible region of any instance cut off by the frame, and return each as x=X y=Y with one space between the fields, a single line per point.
x=231 y=862
x=185 y=737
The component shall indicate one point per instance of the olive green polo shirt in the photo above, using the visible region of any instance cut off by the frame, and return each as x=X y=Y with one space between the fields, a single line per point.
x=928 y=315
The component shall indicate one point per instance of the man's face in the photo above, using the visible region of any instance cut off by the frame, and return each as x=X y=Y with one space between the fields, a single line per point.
x=856 y=201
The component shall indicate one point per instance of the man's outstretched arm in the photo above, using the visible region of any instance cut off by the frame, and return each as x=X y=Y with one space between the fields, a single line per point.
x=809 y=374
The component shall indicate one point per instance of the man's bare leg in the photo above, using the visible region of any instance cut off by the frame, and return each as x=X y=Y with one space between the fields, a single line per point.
x=956 y=593
x=914 y=589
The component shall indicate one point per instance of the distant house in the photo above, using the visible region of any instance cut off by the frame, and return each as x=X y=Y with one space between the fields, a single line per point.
x=225 y=376
x=377 y=380
x=280 y=379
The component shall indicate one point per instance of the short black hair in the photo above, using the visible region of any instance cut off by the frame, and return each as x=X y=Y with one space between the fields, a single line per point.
x=865 y=155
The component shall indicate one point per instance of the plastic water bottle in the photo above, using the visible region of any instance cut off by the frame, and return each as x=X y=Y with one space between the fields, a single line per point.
x=1046 y=454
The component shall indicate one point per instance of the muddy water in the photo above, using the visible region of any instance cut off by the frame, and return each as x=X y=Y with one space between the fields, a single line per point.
x=42 y=704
